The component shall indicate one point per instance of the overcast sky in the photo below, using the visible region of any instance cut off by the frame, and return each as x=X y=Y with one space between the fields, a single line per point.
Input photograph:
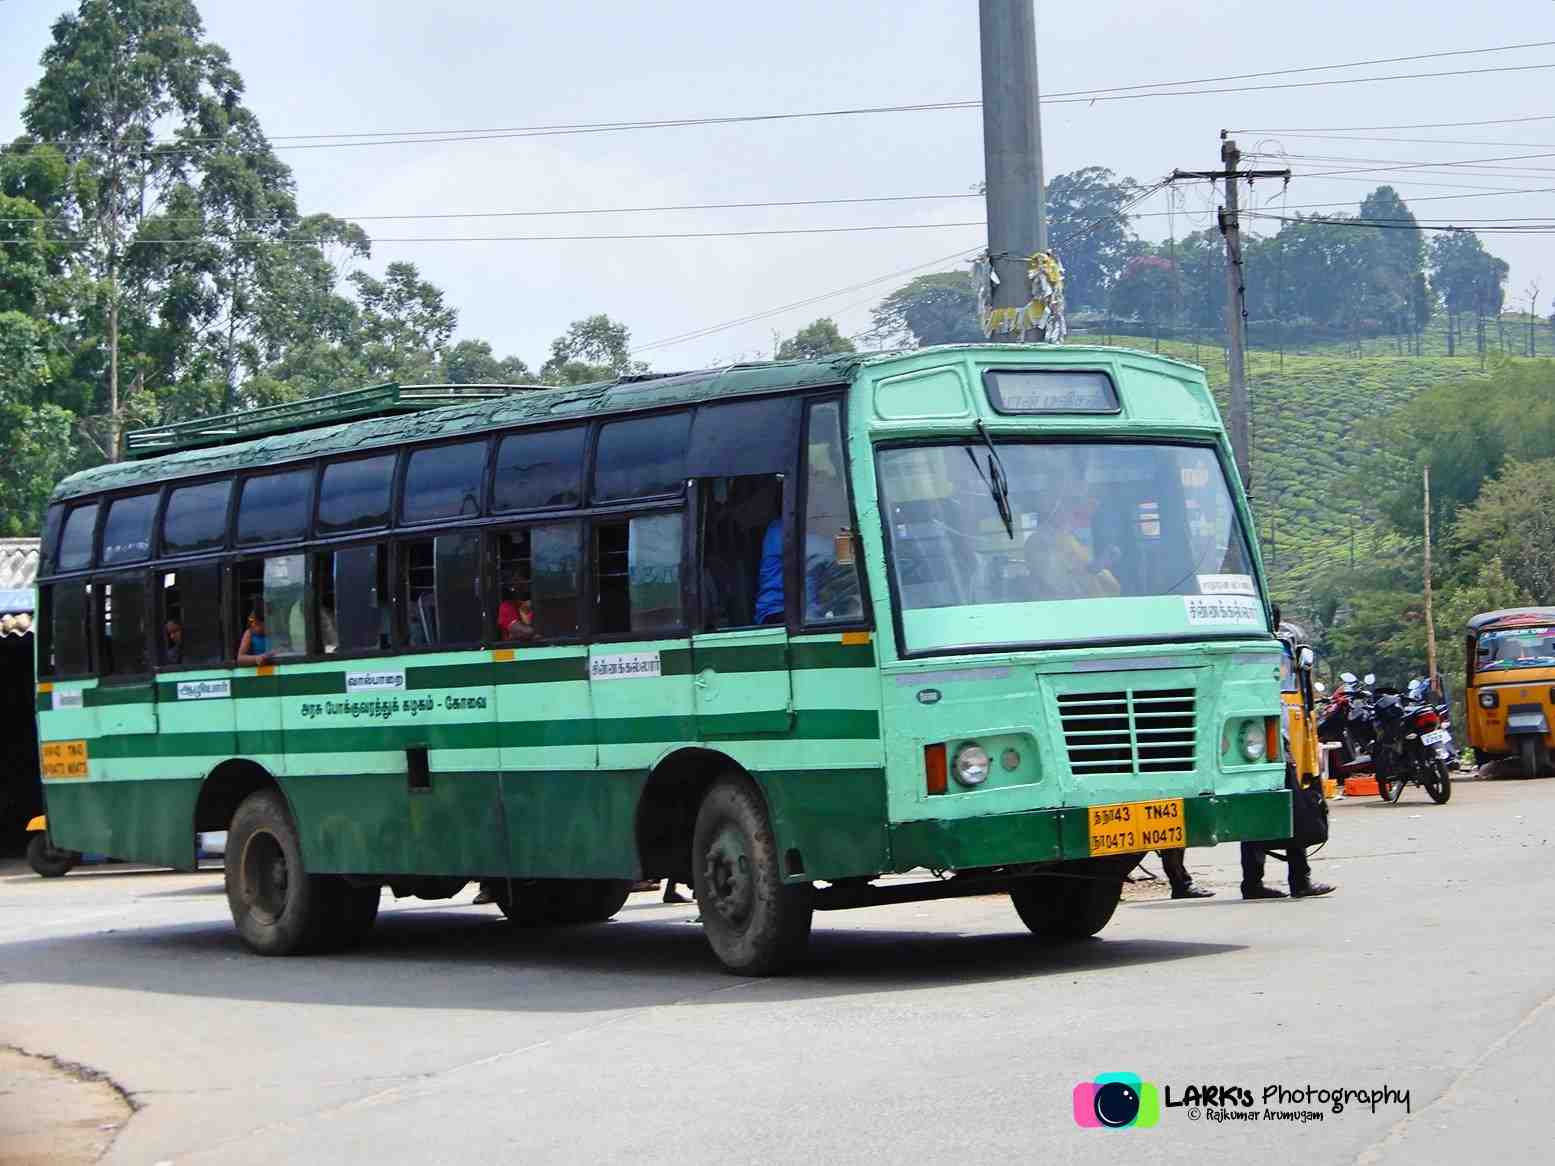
x=360 y=66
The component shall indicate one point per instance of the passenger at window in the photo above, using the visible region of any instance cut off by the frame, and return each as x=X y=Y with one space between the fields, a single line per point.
x=254 y=647
x=173 y=642
x=769 y=578
x=516 y=618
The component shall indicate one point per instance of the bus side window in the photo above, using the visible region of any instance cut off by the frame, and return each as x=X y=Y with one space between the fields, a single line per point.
x=191 y=631
x=442 y=589
x=69 y=605
x=742 y=551
x=123 y=623
x=274 y=591
x=637 y=573
x=537 y=582
x=829 y=569
x=351 y=590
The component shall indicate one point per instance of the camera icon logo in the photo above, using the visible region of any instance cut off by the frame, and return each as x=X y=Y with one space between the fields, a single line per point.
x=1116 y=1101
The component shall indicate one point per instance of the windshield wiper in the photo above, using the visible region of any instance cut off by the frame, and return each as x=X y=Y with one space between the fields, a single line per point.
x=997 y=481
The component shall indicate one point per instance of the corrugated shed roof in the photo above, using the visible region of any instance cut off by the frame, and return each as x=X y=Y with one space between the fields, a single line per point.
x=18 y=573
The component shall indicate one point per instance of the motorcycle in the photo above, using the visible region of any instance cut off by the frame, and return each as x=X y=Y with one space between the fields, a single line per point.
x=1411 y=746
x=1347 y=721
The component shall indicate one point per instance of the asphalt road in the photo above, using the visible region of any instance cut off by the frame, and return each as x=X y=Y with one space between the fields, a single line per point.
x=926 y=1033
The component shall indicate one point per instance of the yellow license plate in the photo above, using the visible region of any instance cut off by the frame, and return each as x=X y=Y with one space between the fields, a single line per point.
x=1125 y=827
x=62 y=759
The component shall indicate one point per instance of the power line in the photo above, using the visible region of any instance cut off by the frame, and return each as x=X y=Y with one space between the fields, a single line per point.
x=1542 y=227
x=624 y=210
x=1109 y=93
x=1427 y=125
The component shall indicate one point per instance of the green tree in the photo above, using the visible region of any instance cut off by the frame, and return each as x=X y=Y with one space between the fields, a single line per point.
x=939 y=308
x=1467 y=278
x=39 y=449
x=1089 y=231
x=817 y=338
x=1513 y=520
x=593 y=349
x=472 y=362
x=405 y=325
x=114 y=72
x=1147 y=289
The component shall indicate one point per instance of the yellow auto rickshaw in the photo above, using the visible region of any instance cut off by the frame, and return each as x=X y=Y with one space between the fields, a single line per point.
x=43 y=856
x=1510 y=695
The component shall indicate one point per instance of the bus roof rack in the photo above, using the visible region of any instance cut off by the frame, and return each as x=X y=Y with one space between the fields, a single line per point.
x=384 y=400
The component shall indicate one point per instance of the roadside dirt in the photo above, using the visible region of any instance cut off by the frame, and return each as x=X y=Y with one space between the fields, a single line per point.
x=55 y=1114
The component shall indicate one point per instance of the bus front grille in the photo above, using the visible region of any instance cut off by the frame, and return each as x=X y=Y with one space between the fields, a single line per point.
x=1136 y=730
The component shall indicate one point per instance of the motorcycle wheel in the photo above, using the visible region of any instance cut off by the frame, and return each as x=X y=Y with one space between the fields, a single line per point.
x=1528 y=755
x=1440 y=785
x=1391 y=791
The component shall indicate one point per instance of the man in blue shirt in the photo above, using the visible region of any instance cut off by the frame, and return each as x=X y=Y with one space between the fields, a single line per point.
x=769 y=579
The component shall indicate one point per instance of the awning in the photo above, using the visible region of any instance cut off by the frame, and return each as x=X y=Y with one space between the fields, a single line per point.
x=18 y=574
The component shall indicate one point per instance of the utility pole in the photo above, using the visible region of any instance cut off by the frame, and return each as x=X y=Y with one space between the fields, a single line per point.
x=1430 y=624
x=1012 y=145
x=1236 y=294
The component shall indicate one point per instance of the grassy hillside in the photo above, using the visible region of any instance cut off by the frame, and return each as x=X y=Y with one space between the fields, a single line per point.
x=1313 y=419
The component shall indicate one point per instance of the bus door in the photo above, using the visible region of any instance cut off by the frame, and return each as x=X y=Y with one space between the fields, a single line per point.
x=196 y=716
x=739 y=652
x=125 y=698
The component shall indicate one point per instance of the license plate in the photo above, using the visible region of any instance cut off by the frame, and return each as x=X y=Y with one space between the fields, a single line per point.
x=1125 y=827
x=1436 y=738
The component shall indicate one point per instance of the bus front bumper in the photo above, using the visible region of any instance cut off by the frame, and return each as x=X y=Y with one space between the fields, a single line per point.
x=1061 y=834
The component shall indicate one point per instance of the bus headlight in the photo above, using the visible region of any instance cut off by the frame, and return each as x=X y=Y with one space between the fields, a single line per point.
x=1252 y=741
x=971 y=764
x=1488 y=699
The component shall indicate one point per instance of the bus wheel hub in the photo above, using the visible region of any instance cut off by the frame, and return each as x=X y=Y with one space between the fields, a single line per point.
x=726 y=868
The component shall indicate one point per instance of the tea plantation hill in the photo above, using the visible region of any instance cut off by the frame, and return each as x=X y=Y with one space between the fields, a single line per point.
x=1314 y=422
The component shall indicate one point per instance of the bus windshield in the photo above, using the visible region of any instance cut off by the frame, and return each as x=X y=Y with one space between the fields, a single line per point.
x=1531 y=647
x=1102 y=541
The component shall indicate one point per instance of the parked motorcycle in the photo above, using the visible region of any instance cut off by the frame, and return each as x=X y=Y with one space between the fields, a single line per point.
x=1411 y=745
x=1346 y=720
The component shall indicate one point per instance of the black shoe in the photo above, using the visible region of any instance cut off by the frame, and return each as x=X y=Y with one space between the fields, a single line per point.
x=1262 y=892
x=1311 y=890
x=1192 y=891
x=673 y=896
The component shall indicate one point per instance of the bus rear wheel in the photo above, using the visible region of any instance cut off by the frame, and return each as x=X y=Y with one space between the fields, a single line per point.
x=1067 y=907
x=755 y=924
x=278 y=908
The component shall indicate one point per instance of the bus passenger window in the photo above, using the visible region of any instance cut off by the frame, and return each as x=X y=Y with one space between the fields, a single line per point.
x=274 y=507
x=75 y=543
x=444 y=481
x=537 y=580
x=127 y=529
x=196 y=518
x=354 y=494
x=69 y=604
x=637 y=567
x=442 y=589
x=191 y=632
x=272 y=606
x=830 y=574
x=352 y=589
x=124 y=626
x=641 y=457
x=742 y=551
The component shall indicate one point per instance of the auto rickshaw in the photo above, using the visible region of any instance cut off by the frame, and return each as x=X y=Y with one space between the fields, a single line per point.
x=1510 y=694
x=43 y=856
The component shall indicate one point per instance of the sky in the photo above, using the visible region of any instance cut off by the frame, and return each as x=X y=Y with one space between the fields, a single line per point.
x=376 y=66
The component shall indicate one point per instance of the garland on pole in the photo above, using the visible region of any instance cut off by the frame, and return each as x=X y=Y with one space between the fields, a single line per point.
x=1044 y=309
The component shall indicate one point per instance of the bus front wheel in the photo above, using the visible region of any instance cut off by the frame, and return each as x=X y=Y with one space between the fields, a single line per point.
x=1066 y=907
x=755 y=924
x=277 y=907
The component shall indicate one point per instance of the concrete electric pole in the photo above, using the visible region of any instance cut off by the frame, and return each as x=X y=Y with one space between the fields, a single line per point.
x=1236 y=296
x=1012 y=145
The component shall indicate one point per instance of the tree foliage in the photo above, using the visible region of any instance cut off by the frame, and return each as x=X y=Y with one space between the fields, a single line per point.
x=817 y=338
x=940 y=308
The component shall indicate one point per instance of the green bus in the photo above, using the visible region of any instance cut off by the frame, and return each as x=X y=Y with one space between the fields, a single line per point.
x=991 y=612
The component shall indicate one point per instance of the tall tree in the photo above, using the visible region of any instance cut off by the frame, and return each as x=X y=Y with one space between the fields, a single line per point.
x=940 y=308
x=593 y=349
x=1467 y=277
x=1087 y=229
x=472 y=362
x=114 y=72
x=817 y=338
x=405 y=324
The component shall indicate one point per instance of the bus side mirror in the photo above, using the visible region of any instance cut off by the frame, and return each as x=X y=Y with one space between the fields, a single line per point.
x=1371 y=678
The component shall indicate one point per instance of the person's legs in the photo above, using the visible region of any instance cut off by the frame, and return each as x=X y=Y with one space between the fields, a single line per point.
x=1301 y=884
x=1177 y=874
x=1253 y=855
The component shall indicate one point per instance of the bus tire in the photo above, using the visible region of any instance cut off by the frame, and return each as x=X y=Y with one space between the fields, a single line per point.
x=46 y=860
x=276 y=906
x=1066 y=908
x=354 y=910
x=755 y=924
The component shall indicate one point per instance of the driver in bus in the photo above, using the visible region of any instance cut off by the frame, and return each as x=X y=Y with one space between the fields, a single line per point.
x=1059 y=562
